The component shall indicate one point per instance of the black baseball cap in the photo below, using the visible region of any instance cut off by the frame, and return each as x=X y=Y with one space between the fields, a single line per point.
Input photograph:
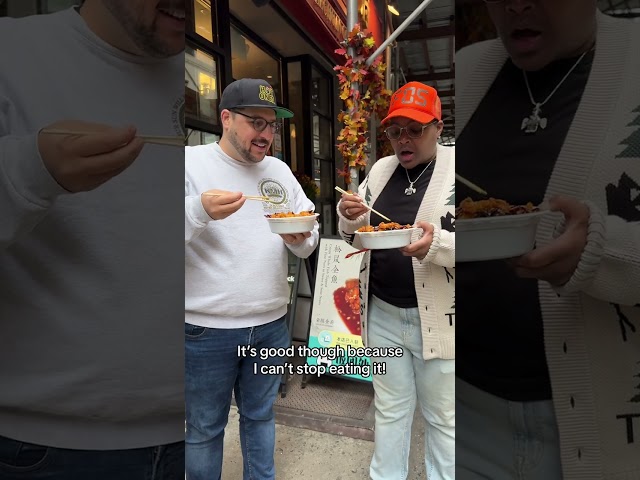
x=252 y=93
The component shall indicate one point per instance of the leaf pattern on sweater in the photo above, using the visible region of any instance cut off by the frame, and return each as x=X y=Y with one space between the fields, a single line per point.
x=633 y=140
x=448 y=223
x=624 y=321
x=636 y=398
x=623 y=200
x=348 y=237
x=452 y=198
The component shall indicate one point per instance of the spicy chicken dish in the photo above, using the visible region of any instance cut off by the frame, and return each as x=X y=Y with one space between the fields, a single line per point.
x=291 y=214
x=383 y=227
x=491 y=207
x=347 y=302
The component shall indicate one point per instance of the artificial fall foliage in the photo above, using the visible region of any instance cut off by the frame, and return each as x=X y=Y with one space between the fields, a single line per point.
x=360 y=103
x=309 y=186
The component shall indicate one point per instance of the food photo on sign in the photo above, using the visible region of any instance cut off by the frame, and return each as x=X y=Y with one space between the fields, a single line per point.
x=335 y=317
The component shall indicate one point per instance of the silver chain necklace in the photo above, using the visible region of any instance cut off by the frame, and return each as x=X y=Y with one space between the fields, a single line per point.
x=410 y=190
x=531 y=123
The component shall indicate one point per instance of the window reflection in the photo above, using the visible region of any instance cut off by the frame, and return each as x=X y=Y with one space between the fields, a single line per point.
x=197 y=137
x=203 y=19
x=201 y=86
x=52 y=6
x=248 y=60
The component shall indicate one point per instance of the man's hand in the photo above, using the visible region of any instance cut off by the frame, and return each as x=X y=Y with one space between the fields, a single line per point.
x=420 y=248
x=352 y=206
x=219 y=207
x=295 y=238
x=83 y=162
x=557 y=261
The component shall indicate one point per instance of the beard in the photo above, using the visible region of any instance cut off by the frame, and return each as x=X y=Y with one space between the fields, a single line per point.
x=245 y=153
x=145 y=37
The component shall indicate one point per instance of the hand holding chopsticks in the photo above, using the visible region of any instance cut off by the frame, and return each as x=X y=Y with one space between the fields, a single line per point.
x=172 y=141
x=81 y=163
x=364 y=204
x=220 y=204
x=248 y=197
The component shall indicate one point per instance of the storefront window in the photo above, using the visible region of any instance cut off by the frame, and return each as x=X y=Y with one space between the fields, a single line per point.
x=205 y=19
x=321 y=137
x=296 y=124
x=201 y=86
x=23 y=8
x=323 y=163
x=248 y=60
x=197 y=137
x=50 y=6
x=320 y=92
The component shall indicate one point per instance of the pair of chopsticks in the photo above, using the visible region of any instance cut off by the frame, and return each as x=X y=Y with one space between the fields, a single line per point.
x=365 y=205
x=472 y=185
x=544 y=206
x=248 y=197
x=156 y=139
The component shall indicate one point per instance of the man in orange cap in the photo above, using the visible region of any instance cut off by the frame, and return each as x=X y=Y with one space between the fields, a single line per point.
x=408 y=294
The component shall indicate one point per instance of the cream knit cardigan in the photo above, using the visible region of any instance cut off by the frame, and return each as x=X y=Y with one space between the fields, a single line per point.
x=592 y=324
x=434 y=276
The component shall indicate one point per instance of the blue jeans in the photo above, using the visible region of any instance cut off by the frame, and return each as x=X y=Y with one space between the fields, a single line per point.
x=26 y=461
x=213 y=370
x=408 y=379
x=523 y=442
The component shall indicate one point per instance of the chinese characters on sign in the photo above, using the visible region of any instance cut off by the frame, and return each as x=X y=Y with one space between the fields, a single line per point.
x=335 y=316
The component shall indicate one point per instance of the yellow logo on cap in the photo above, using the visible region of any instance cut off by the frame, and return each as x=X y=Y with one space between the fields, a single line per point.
x=266 y=94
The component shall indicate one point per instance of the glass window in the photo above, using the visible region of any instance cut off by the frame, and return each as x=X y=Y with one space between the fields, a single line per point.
x=201 y=86
x=296 y=130
x=326 y=179
x=248 y=60
x=204 y=15
x=321 y=136
x=197 y=137
x=50 y=6
x=320 y=92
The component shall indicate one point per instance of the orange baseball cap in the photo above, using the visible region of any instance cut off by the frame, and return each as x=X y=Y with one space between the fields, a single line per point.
x=416 y=101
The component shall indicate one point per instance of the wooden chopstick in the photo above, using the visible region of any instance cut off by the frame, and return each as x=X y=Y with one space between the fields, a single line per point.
x=471 y=185
x=248 y=197
x=365 y=205
x=174 y=141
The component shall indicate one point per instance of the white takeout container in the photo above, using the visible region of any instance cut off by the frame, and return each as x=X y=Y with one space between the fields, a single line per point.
x=386 y=239
x=293 y=224
x=494 y=238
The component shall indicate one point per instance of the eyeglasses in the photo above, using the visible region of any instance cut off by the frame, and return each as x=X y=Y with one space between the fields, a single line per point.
x=414 y=130
x=259 y=124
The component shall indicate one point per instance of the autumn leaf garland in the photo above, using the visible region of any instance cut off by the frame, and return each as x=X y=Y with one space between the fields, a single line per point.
x=370 y=96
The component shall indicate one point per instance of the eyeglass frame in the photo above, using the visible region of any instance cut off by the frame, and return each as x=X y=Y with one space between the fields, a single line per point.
x=433 y=122
x=276 y=126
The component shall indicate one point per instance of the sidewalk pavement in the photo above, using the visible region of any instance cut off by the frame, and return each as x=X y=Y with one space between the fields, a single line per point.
x=309 y=455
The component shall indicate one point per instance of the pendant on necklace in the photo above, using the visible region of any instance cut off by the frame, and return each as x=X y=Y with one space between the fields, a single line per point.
x=531 y=123
x=409 y=190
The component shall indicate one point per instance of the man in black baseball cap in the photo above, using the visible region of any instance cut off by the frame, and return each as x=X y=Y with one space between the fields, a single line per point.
x=236 y=290
x=252 y=93
x=247 y=107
